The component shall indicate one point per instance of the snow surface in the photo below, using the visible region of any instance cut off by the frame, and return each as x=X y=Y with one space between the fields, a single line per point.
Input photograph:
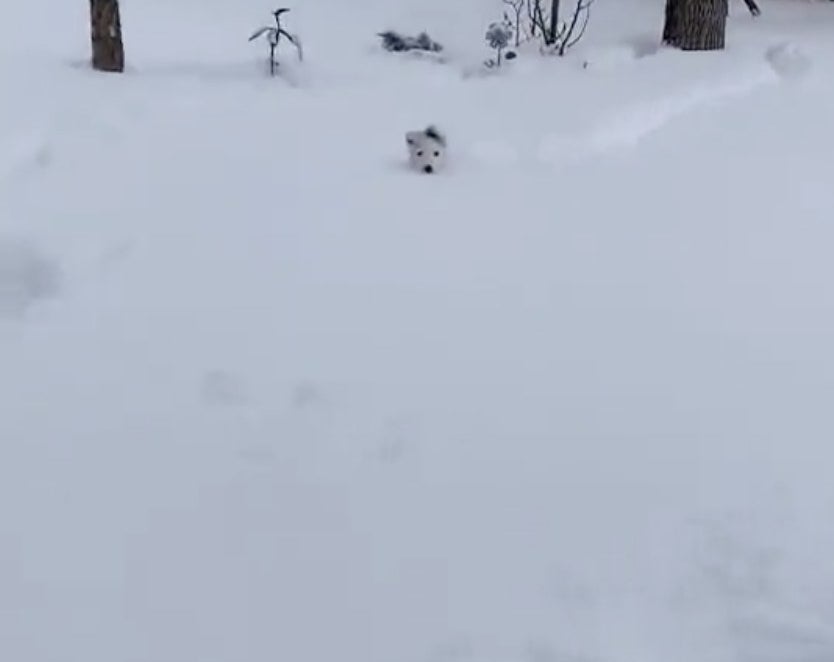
x=268 y=395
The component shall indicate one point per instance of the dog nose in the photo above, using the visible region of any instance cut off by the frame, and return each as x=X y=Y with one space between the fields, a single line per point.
x=428 y=169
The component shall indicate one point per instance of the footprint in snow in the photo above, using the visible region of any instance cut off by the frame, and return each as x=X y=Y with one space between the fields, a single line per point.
x=26 y=277
x=220 y=388
x=25 y=153
x=398 y=438
x=306 y=395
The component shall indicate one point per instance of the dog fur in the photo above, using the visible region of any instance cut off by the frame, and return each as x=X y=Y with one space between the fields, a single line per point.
x=426 y=150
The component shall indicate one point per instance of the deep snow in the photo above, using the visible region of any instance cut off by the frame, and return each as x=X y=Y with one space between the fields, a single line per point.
x=268 y=395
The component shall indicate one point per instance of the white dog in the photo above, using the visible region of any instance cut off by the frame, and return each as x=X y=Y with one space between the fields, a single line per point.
x=426 y=149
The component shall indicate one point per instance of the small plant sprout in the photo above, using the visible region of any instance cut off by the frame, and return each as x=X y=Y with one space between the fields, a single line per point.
x=498 y=37
x=273 y=36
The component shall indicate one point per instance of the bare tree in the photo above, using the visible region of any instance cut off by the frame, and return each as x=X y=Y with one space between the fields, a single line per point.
x=695 y=25
x=106 y=31
x=558 y=36
x=554 y=16
x=573 y=31
x=544 y=22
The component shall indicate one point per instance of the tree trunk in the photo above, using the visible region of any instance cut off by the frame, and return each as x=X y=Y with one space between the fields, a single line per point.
x=106 y=24
x=554 y=20
x=695 y=25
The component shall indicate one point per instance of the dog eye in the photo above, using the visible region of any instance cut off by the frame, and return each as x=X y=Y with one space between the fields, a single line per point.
x=437 y=153
x=420 y=153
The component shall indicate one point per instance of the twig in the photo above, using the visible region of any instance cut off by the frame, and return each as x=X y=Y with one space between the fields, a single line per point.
x=582 y=7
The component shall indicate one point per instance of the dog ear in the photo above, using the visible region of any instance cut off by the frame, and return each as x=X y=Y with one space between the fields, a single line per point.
x=435 y=134
x=411 y=138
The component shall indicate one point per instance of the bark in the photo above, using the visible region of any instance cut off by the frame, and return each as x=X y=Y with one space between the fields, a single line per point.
x=106 y=25
x=695 y=25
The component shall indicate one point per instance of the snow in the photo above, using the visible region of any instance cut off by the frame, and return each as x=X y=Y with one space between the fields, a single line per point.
x=265 y=394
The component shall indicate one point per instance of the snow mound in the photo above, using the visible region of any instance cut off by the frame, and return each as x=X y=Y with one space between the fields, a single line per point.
x=612 y=58
x=788 y=60
x=26 y=276
x=495 y=153
x=630 y=126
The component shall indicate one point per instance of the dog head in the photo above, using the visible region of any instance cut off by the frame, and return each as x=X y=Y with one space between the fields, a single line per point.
x=426 y=150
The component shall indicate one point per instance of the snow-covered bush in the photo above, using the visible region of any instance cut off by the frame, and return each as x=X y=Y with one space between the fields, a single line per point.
x=398 y=43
